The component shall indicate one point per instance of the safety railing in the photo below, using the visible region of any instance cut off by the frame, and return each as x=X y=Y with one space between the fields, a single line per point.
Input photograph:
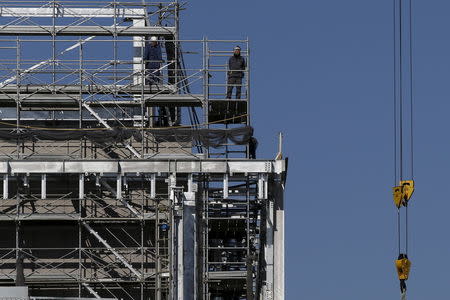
x=111 y=14
x=113 y=65
x=81 y=264
x=80 y=90
x=94 y=71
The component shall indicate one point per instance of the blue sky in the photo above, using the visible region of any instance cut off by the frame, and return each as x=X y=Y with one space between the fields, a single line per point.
x=322 y=74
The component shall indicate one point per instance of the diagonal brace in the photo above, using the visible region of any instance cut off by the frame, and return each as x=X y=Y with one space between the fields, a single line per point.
x=113 y=251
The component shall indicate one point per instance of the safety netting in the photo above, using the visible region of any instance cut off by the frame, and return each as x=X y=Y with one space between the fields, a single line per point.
x=206 y=137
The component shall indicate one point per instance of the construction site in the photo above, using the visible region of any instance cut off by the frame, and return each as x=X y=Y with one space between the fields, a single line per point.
x=124 y=181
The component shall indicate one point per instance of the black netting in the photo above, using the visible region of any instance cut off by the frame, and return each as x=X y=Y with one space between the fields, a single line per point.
x=206 y=137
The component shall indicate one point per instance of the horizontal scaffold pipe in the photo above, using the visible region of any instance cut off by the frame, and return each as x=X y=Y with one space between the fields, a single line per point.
x=29 y=30
x=72 y=12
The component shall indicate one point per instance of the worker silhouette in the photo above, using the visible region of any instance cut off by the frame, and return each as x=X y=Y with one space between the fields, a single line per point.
x=236 y=68
x=153 y=59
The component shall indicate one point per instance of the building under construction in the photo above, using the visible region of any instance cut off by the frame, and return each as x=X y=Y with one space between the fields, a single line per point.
x=117 y=186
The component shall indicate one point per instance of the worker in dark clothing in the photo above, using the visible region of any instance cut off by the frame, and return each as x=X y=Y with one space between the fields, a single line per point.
x=236 y=68
x=252 y=145
x=153 y=59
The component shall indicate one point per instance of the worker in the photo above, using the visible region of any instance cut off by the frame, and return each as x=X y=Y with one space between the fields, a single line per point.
x=252 y=145
x=153 y=59
x=236 y=68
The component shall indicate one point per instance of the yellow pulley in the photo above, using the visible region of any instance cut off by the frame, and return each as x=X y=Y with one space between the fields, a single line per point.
x=407 y=188
x=403 y=192
x=403 y=265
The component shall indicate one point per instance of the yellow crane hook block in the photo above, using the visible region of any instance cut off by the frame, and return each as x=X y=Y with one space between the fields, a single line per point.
x=403 y=192
x=403 y=265
x=398 y=196
x=407 y=188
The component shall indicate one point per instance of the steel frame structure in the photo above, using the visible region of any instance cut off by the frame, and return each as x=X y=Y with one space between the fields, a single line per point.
x=143 y=216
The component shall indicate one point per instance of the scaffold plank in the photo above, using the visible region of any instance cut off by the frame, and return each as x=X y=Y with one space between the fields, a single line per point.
x=74 y=89
x=72 y=12
x=29 y=30
x=72 y=101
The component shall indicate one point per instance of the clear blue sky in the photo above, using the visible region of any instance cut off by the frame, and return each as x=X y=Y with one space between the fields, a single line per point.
x=322 y=74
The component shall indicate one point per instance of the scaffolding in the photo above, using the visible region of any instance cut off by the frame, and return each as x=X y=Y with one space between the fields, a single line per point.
x=124 y=182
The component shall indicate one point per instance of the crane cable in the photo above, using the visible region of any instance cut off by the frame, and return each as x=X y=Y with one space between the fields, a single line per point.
x=402 y=191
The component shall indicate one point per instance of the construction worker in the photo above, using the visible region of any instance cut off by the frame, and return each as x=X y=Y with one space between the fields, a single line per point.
x=153 y=59
x=236 y=68
x=252 y=145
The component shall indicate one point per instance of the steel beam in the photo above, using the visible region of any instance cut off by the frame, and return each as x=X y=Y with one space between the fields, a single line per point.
x=278 y=261
x=189 y=248
x=47 y=167
x=146 y=166
x=268 y=286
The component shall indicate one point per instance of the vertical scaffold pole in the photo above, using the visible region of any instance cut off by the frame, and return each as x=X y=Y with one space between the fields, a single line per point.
x=44 y=186
x=279 y=284
x=5 y=186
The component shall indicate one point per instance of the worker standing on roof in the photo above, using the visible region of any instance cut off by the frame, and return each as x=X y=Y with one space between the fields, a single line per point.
x=236 y=68
x=153 y=59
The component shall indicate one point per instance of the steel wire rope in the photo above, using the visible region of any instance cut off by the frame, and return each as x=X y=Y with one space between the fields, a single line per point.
x=395 y=90
x=401 y=121
x=399 y=95
x=411 y=78
x=400 y=83
x=411 y=117
x=397 y=127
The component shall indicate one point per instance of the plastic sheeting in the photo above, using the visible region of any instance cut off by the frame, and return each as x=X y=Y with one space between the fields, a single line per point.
x=99 y=136
x=206 y=137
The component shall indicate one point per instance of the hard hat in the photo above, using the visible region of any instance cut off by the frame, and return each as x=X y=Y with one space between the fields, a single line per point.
x=153 y=39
